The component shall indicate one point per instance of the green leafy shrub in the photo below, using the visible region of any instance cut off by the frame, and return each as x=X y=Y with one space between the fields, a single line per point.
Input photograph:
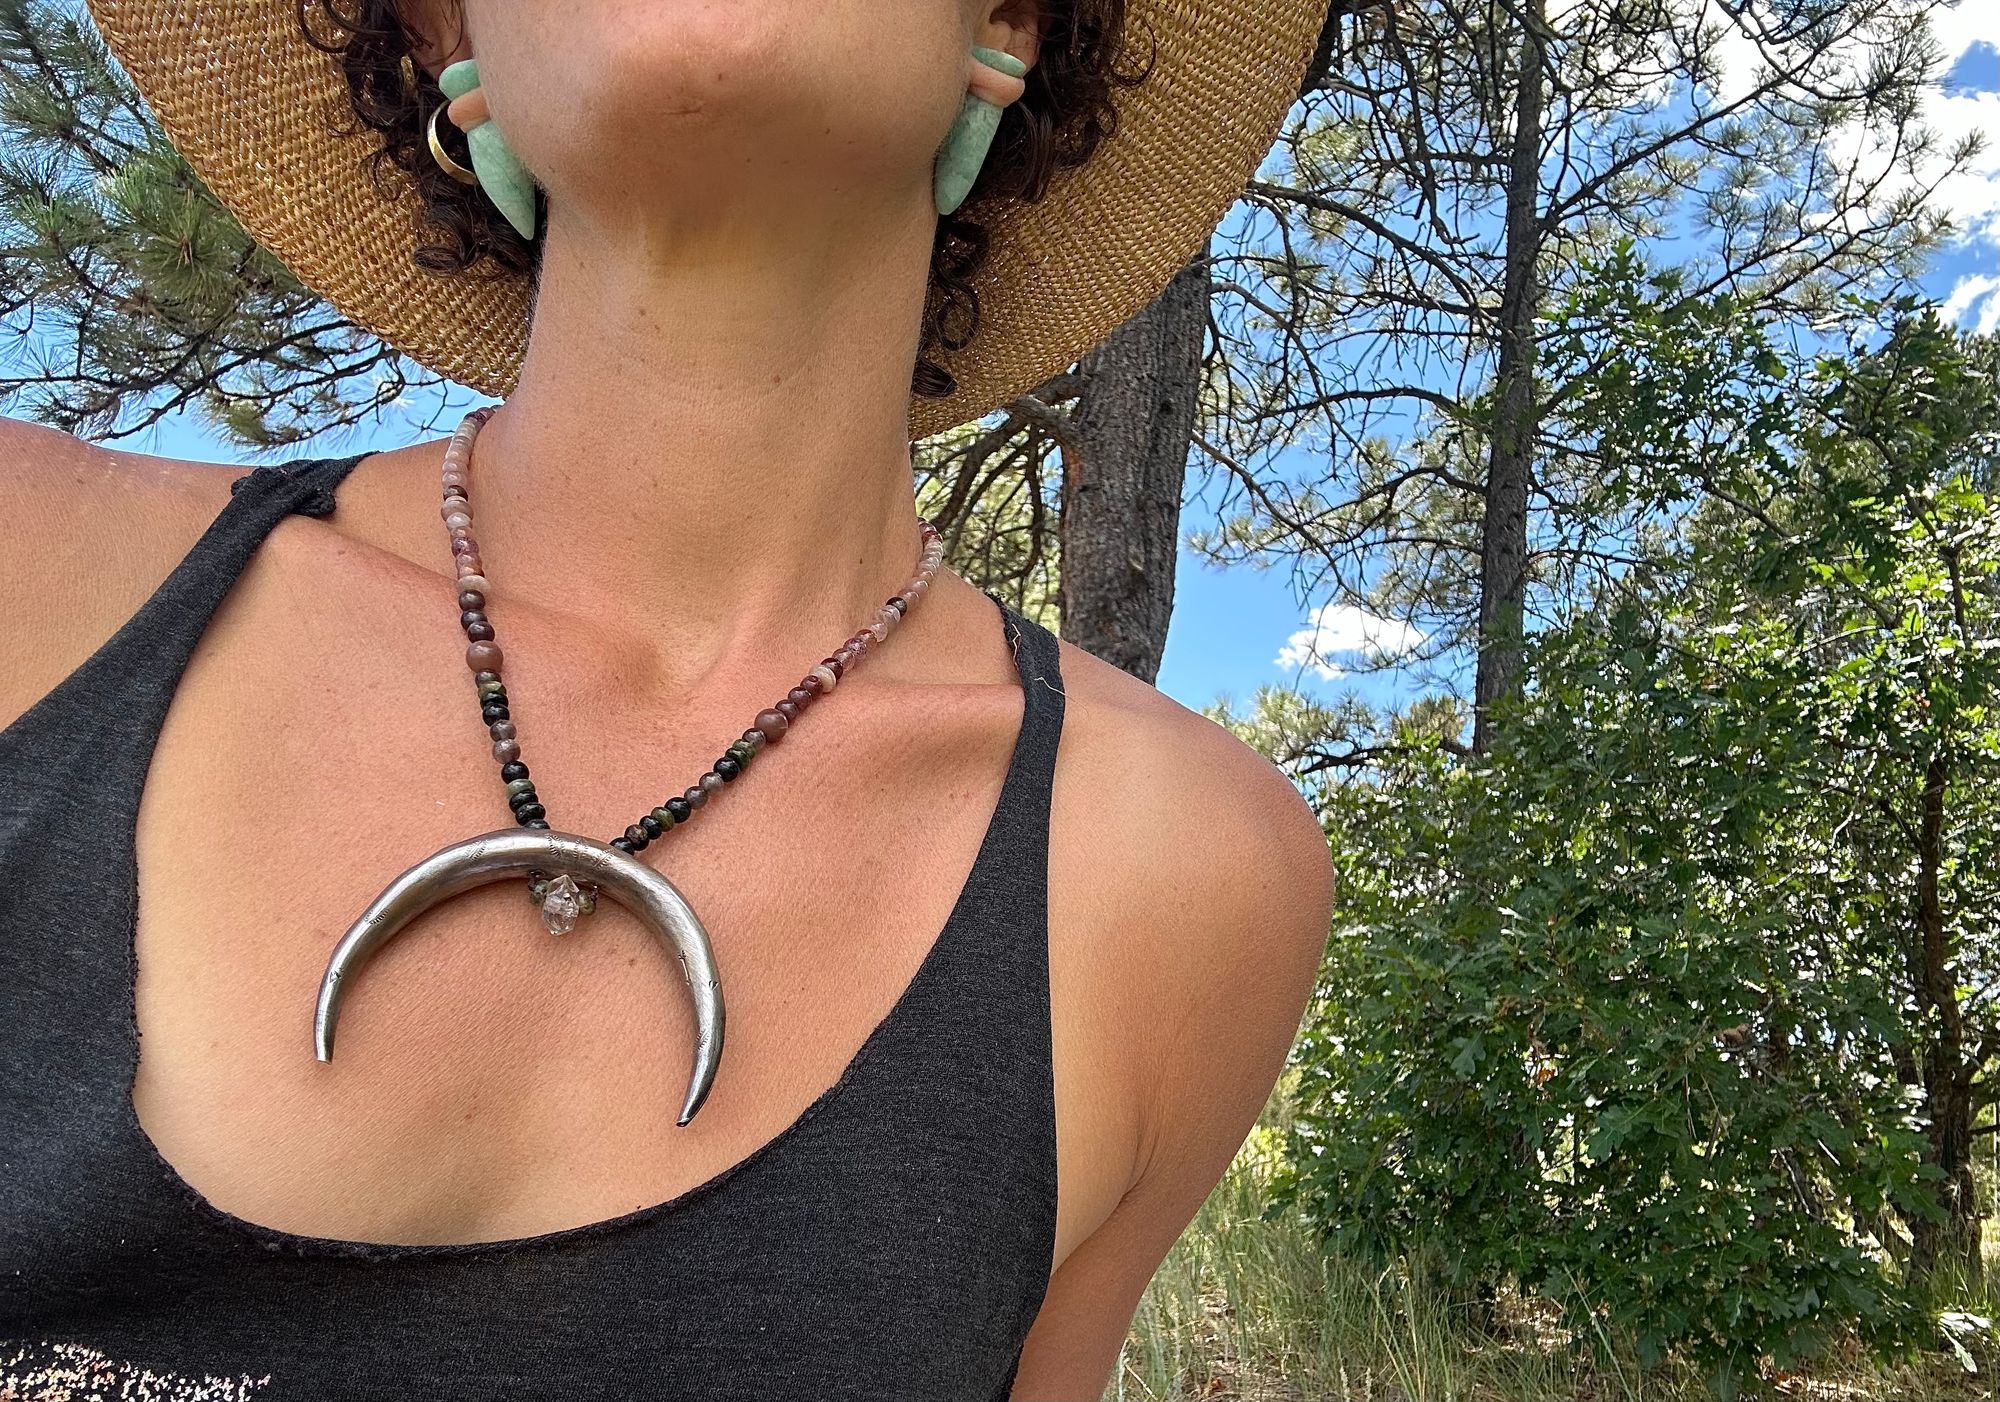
x=1676 y=1005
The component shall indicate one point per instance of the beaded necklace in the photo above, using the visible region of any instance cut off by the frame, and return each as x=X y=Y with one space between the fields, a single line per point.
x=566 y=872
x=561 y=899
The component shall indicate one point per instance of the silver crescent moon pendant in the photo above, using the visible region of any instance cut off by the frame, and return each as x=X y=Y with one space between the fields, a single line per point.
x=510 y=852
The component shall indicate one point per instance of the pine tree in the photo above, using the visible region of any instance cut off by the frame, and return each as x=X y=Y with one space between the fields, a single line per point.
x=127 y=291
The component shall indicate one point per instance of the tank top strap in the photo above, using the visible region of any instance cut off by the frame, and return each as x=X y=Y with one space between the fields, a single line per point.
x=126 y=685
x=1020 y=832
x=178 y=613
x=958 y=1082
x=974 y=1022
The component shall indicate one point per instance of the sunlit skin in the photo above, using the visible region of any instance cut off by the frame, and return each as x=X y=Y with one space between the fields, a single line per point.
x=703 y=477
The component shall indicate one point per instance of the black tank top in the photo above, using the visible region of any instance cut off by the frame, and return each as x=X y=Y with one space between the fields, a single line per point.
x=894 y=1241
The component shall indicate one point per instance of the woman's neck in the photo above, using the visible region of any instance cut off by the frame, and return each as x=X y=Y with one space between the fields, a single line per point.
x=709 y=433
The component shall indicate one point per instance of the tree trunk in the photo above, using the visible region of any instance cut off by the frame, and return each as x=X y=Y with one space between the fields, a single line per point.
x=1125 y=461
x=1123 y=469
x=1949 y=1247
x=1503 y=563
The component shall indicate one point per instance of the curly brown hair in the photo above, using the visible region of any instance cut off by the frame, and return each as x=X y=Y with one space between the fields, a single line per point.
x=1066 y=112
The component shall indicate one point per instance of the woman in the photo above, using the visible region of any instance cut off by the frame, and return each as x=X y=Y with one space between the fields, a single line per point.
x=930 y=1165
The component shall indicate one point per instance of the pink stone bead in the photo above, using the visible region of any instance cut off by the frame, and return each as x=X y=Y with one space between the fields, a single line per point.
x=458 y=521
x=696 y=796
x=506 y=751
x=772 y=723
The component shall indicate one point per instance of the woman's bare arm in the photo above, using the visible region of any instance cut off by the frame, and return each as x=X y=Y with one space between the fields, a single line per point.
x=1222 y=912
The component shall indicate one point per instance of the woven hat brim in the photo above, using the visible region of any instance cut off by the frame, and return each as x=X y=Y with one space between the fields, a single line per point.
x=255 y=110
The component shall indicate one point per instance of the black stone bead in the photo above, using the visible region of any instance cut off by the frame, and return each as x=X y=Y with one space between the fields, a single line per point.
x=494 y=710
x=472 y=599
x=541 y=823
x=468 y=617
x=479 y=632
x=652 y=825
x=531 y=810
x=622 y=845
x=636 y=835
x=513 y=769
x=789 y=709
x=727 y=767
x=679 y=807
x=518 y=801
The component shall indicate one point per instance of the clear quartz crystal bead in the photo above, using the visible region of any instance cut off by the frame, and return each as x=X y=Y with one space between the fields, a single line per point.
x=563 y=903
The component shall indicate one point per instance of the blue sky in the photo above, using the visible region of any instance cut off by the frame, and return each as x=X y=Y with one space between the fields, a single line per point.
x=1238 y=627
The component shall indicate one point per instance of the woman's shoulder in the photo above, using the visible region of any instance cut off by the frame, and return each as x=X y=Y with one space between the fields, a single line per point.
x=1191 y=890
x=1209 y=881
x=1179 y=806
x=87 y=533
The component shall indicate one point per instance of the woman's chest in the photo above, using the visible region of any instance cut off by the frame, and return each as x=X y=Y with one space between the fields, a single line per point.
x=494 y=1081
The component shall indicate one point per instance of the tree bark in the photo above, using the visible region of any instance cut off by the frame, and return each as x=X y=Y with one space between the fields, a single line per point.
x=1952 y=1245
x=1124 y=466
x=1125 y=458
x=1503 y=563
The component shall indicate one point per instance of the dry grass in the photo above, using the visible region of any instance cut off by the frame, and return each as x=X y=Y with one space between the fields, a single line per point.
x=1246 y=1310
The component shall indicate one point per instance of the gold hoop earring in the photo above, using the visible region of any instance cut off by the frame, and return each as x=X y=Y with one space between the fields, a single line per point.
x=450 y=167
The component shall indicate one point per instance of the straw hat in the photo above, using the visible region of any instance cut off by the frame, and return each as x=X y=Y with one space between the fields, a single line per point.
x=226 y=79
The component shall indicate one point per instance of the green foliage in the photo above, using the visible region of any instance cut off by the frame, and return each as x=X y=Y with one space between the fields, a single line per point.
x=1671 y=1008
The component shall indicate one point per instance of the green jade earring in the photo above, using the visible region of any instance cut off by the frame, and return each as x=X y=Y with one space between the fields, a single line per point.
x=996 y=79
x=501 y=174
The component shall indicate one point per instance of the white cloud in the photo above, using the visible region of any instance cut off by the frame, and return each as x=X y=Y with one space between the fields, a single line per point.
x=1972 y=196
x=1974 y=304
x=1336 y=631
